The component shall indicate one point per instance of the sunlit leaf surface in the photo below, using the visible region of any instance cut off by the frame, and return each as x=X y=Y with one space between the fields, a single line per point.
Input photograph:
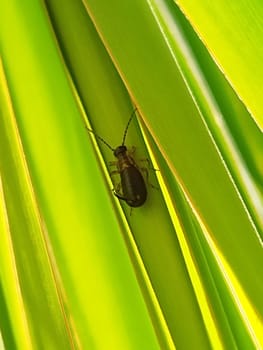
x=79 y=269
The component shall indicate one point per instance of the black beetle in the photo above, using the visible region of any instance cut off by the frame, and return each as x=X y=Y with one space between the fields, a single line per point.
x=132 y=183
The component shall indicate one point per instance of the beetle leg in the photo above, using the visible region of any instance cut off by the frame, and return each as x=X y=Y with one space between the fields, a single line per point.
x=132 y=161
x=145 y=170
x=116 y=192
x=119 y=195
x=131 y=151
x=149 y=165
x=114 y=172
x=117 y=188
x=113 y=163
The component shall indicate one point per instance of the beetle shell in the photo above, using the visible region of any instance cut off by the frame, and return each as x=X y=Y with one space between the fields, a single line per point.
x=133 y=186
x=134 y=191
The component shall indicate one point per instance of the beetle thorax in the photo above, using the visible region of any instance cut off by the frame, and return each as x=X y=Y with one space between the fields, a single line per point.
x=120 y=150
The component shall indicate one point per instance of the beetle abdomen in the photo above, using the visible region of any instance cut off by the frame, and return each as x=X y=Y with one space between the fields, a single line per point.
x=133 y=186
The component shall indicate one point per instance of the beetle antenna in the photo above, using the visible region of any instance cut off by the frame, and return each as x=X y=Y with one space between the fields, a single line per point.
x=101 y=139
x=126 y=129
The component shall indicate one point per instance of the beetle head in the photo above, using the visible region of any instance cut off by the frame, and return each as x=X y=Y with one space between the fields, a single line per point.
x=120 y=150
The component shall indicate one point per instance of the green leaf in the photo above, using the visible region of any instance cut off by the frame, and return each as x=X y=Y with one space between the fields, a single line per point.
x=232 y=33
x=182 y=271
